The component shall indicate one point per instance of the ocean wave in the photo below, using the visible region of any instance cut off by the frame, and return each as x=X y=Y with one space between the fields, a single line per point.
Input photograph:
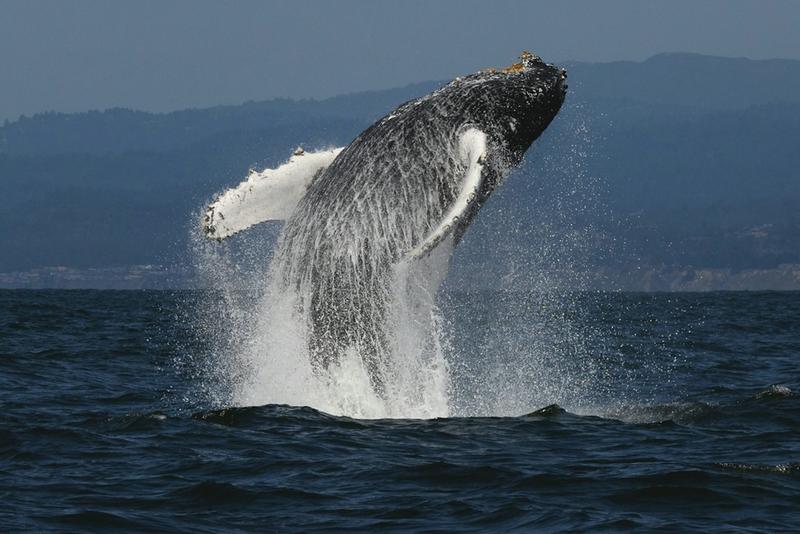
x=775 y=391
x=792 y=468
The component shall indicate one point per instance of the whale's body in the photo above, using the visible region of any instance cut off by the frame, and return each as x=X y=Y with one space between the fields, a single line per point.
x=409 y=184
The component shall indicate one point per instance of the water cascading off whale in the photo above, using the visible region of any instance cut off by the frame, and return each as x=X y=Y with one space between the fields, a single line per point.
x=405 y=190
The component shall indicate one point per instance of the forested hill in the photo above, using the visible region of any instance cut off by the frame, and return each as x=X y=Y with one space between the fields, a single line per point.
x=678 y=164
x=120 y=130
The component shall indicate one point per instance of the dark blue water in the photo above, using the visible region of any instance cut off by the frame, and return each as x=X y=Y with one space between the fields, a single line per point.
x=104 y=426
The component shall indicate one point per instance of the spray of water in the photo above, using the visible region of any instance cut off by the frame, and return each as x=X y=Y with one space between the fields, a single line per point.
x=260 y=342
x=519 y=345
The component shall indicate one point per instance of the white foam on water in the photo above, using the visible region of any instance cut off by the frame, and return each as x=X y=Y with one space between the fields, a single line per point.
x=269 y=361
x=259 y=336
x=281 y=371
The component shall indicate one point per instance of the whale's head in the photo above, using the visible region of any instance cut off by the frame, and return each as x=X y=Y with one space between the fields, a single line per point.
x=515 y=104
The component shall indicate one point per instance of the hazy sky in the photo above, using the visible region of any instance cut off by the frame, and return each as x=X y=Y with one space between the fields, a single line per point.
x=163 y=55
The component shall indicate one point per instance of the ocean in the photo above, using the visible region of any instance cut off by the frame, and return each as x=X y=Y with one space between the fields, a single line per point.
x=560 y=412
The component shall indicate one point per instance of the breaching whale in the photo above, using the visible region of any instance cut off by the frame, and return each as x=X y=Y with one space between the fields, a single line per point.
x=407 y=186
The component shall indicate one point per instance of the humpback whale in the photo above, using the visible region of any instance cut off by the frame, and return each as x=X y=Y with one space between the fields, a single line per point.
x=407 y=186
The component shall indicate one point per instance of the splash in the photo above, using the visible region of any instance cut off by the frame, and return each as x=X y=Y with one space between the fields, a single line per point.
x=520 y=345
x=261 y=353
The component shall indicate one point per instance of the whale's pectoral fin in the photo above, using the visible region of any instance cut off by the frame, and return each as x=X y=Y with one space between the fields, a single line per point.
x=473 y=152
x=269 y=195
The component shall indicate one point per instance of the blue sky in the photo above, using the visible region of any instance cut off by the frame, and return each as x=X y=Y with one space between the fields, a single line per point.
x=162 y=55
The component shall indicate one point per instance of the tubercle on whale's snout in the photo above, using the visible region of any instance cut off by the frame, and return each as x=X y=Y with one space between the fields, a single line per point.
x=527 y=61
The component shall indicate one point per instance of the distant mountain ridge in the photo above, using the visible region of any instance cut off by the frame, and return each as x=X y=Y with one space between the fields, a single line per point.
x=705 y=83
x=120 y=130
x=680 y=163
x=685 y=80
